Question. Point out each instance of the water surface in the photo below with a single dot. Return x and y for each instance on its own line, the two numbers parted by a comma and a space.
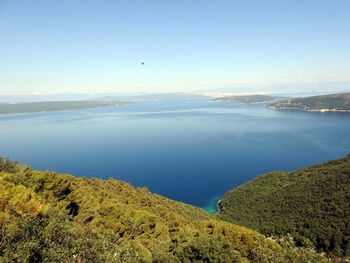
189, 150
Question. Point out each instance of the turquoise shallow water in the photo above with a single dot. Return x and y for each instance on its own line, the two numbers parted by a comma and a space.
213, 205
187, 149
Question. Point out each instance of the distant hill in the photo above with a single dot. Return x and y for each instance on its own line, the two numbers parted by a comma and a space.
311, 203
29, 107
334, 102
246, 98
51, 217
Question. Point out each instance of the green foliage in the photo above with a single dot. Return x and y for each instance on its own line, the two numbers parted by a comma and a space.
51, 217
52, 238
310, 204
7, 166
305, 253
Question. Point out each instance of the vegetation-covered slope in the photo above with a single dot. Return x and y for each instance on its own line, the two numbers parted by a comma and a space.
312, 203
50, 217
334, 102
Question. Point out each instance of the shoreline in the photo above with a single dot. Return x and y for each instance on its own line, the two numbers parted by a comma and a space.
63, 110
306, 110
213, 205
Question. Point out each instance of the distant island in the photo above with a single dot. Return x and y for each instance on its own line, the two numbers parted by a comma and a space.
311, 205
335, 102
30, 107
246, 98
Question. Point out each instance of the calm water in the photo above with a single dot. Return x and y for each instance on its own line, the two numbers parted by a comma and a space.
189, 150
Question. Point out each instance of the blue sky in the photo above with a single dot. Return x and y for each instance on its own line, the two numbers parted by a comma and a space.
98, 46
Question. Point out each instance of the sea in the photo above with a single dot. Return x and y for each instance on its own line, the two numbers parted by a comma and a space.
189, 149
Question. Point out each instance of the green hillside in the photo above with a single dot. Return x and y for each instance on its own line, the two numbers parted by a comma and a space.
50, 217
334, 102
311, 203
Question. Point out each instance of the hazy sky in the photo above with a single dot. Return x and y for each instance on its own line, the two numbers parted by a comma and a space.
98, 46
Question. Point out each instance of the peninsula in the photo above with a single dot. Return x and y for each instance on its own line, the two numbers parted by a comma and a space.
30, 107
335, 102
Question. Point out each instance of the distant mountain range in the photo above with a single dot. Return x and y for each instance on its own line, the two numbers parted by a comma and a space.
285, 89
246, 98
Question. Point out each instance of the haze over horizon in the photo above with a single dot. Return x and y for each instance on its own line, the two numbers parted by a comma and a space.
60, 47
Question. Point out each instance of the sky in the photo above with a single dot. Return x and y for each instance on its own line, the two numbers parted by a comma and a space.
92, 46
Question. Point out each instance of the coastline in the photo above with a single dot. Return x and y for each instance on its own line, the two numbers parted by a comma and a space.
213, 205
63, 110
307, 110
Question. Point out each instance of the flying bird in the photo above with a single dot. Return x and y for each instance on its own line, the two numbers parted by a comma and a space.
142, 63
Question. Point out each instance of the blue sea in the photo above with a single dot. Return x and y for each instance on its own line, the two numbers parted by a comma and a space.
188, 149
